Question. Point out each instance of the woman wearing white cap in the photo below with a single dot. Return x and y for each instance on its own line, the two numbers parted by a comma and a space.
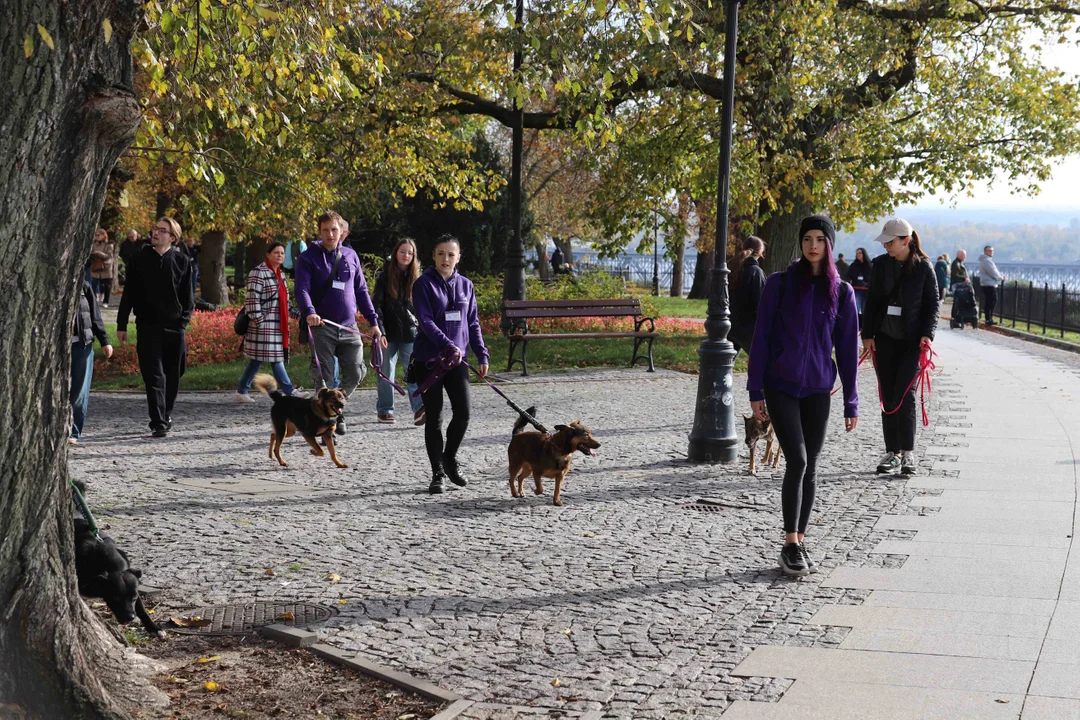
901, 318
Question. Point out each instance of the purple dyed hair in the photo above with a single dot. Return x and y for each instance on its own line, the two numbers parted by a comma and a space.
802, 266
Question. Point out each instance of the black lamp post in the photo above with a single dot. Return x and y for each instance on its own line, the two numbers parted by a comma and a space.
514, 280
713, 437
656, 254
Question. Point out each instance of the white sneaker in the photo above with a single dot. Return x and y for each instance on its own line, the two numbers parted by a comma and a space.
242, 398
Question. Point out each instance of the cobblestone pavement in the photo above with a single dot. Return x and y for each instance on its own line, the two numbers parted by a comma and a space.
622, 600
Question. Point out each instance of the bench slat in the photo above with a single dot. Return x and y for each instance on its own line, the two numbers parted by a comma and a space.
526, 304
584, 312
584, 336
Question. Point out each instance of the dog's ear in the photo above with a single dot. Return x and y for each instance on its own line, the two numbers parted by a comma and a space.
746, 417
323, 392
560, 428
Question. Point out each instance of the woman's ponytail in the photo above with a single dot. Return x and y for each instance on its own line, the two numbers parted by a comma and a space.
752, 244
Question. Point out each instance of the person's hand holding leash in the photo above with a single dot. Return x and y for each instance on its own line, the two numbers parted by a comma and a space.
483, 369
758, 408
850, 423
925, 342
868, 346
313, 320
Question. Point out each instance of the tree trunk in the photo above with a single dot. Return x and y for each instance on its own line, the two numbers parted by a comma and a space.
256, 253
212, 268
543, 267
781, 233
706, 241
239, 260
69, 113
567, 246
678, 244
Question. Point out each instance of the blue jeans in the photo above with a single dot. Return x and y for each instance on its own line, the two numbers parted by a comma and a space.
385, 403
195, 280
280, 374
82, 372
860, 300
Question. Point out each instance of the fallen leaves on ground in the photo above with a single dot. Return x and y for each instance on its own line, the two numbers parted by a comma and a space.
333, 578
212, 658
191, 621
286, 616
210, 686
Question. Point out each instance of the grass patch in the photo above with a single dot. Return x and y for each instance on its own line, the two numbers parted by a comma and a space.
1036, 329
677, 352
679, 307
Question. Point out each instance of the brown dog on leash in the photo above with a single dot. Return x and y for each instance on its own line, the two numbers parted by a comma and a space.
757, 430
311, 417
545, 455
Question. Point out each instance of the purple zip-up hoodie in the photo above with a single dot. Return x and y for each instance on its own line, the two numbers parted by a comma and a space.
433, 299
795, 337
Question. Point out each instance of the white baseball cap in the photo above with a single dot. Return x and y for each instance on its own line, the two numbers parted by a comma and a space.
895, 227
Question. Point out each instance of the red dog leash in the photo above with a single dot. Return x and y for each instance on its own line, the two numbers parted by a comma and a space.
922, 379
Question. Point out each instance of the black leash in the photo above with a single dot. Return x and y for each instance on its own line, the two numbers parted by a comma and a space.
532, 421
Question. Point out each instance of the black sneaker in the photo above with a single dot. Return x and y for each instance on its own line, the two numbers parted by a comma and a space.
340, 429
452, 471
437, 485
160, 431
810, 564
792, 561
889, 462
908, 464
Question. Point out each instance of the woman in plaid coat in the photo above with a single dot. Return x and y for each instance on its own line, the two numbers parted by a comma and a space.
267, 338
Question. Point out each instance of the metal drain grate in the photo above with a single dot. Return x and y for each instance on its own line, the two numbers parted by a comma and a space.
704, 505
245, 618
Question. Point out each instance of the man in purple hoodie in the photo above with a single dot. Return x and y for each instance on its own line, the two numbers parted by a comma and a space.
805, 313
330, 285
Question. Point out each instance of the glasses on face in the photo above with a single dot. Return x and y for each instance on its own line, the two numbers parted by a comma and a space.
164, 230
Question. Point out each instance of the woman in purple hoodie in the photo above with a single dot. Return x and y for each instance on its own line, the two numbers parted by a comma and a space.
445, 305
806, 313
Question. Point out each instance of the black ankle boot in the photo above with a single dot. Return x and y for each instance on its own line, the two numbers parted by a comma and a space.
437, 485
451, 467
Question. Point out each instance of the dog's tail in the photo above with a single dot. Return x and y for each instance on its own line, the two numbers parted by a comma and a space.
522, 421
267, 384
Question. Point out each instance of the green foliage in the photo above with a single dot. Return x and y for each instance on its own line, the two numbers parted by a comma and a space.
587, 286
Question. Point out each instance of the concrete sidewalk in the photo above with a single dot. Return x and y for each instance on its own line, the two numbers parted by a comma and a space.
983, 618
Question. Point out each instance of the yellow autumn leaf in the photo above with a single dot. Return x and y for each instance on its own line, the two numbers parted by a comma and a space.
106, 25
210, 685
286, 616
342, 601
45, 36
266, 13
28, 46
334, 578
212, 658
556, 682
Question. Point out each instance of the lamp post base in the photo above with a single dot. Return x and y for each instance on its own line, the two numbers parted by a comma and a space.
713, 438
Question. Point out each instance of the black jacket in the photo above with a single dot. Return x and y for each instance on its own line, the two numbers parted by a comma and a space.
397, 317
745, 301
858, 274
88, 324
918, 298
158, 289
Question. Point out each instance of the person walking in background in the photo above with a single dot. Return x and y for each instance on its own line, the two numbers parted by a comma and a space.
449, 325
293, 250
102, 258
806, 314
159, 291
745, 284
557, 261
267, 339
397, 319
192, 251
958, 272
859, 277
989, 280
330, 284
87, 327
901, 319
842, 267
129, 249
941, 270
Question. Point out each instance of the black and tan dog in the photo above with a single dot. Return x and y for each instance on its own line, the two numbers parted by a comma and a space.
544, 455
757, 430
311, 417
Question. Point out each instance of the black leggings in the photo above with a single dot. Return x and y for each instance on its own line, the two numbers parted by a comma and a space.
989, 301
456, 384
897, 362
800, 425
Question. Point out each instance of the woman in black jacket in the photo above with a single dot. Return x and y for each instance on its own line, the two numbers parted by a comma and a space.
88, 326
900, 320
859, 277
397, 320
745, 283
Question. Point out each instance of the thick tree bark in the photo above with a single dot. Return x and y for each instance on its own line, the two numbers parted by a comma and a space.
706, 241
68, 114
781, 232
543, 267
256, 253
215, 289
239, 263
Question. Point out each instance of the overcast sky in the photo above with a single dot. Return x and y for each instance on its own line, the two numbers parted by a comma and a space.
1061, 192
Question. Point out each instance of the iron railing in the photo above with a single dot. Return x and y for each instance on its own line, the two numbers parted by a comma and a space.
1052, 308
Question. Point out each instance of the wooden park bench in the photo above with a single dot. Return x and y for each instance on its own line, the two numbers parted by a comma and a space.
519, 312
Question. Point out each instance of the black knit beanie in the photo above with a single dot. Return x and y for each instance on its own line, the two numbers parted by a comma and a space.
822, 223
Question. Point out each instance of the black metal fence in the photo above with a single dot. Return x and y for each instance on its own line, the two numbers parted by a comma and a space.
1048, 308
